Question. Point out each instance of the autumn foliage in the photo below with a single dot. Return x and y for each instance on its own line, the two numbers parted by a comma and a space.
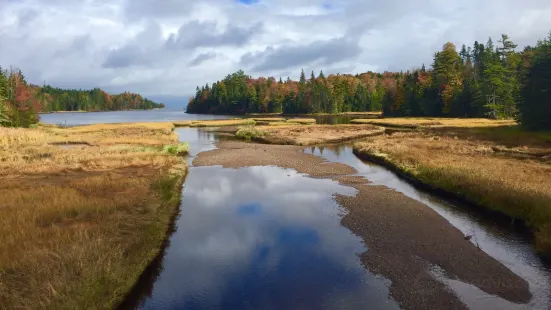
484, 80
20, 101
240, 93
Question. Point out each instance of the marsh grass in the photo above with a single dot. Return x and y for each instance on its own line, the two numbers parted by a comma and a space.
303, 121
39, 151
220, 123
269, 119
428, 122
183, 123
283, 123
477, 170
249, 132
317, 134
80, 224
177, 149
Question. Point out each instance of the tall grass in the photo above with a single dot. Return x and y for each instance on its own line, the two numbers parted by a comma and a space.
249, 132
317, 134
177, 149
476, 170
304, 121
432, 122
220, 123
80, 223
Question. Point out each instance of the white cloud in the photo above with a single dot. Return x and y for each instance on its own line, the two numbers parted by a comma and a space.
167, 47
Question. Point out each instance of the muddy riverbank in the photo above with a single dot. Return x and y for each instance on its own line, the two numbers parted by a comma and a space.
404, 238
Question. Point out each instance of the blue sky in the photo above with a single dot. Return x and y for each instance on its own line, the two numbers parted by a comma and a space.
248, 1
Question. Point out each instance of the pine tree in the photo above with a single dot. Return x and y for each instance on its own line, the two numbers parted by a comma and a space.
447, 76
535, 106
321, 76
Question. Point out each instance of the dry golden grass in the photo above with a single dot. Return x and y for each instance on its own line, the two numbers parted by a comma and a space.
102, 134
427, 122
301, 120
183, 123
88, 148
269, 119
220, 123
12, 138
317, 134
81, 222
514, 181
283, 123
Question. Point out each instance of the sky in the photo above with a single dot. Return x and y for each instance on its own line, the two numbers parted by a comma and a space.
163, 49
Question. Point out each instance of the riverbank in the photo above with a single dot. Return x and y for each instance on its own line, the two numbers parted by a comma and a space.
502, 169
403, 237
84, 211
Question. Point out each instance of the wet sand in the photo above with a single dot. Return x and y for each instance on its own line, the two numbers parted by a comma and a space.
403, 236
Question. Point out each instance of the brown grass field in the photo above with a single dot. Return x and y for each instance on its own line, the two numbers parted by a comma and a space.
504, 169
213, 123
226, 122
84, 211
316, 134
303, 121
269, 119
432, 122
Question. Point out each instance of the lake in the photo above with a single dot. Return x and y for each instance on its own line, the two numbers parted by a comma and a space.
86, 118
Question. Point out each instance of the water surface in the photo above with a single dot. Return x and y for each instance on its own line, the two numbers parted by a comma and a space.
87, 118
162, 115
262, 238
513, 248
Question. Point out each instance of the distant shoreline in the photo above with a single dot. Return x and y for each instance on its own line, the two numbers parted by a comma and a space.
375, 114
81, 111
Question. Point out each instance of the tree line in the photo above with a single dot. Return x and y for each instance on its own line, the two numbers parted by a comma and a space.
240, 93
20, 101
484, 80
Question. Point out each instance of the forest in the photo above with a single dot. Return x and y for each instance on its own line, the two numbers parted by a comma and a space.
20, 101
485, 80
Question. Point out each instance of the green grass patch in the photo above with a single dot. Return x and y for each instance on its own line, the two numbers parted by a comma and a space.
249, 132
221, 123
176, 149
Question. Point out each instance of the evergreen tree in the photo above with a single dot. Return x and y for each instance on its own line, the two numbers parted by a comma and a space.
447, 76
535, 106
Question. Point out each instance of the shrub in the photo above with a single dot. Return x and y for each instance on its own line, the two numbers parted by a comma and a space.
249, 132
177, 149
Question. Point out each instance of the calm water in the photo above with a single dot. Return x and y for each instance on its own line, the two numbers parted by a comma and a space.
262, 238
164, 115
501, 241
